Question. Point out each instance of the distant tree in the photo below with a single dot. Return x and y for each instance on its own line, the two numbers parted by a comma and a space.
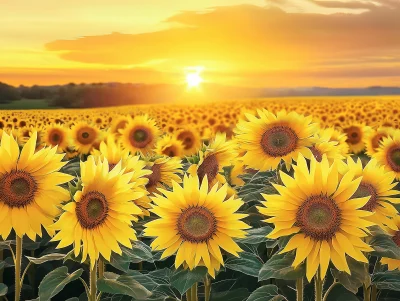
8, 93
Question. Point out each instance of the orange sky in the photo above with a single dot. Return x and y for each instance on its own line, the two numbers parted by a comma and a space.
249, 43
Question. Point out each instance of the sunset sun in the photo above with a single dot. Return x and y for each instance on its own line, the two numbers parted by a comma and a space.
193, 77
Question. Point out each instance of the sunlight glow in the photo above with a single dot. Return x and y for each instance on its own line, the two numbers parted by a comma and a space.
193, 77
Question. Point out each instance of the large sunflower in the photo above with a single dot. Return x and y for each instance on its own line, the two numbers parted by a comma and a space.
271, 138
195, 223
218, 154
388, 153
393, 264
315, 207
84, 136
373, 138
377, 184
140, 135
100, 216
29, 193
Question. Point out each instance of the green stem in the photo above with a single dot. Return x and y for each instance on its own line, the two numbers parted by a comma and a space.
367, 293
318, 286
102, 267
1, 270
207, 288
194, 292
189, 294
299, 289
18, 258
93, 283
374, 293
329, 290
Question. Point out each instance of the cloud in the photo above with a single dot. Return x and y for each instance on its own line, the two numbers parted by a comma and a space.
249, 39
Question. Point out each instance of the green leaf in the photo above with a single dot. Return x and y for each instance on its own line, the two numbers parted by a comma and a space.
389, 280
183, 279
359, 275
45, 258
384, 246
266, 293
123, 285
139, 252
231, 295
55, 281
247, 263
3, 289
279, 266
256, 236
340, 293
6, 244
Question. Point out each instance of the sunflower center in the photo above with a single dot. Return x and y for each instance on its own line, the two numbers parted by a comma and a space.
353, 135
111, 166
316, 153
196, 224
279, 141
140, 137
17, 189
319, 217
393, 158
86, 135
170, 151
396, 238
187, 139
155, 177
92, 210
209, 167
365, 190
376, 140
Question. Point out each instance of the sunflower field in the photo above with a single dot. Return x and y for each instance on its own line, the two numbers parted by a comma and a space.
268, 199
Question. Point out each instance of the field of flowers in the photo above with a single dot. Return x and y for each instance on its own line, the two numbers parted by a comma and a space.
271, 199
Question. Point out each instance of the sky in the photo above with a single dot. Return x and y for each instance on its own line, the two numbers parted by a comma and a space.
246, 43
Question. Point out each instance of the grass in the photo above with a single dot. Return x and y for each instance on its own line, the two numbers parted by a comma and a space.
27, 104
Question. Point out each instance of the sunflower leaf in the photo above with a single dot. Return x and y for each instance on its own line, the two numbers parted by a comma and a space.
183, 279
256, 236
239, 294
123, 285
55, 281
384, 246
247, 263
279, 266
389, 280
359, 275
266, 293
138, 253
45, 258
3, 289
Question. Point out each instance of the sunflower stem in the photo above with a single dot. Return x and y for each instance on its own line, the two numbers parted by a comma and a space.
194, 292
207, 288
18, 258
299, 289
318, 286
335, 282
1, 270
102, 267
367, 293
374, 293
93, 283
189, 294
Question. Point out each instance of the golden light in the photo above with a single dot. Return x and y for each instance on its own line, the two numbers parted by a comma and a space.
193, 77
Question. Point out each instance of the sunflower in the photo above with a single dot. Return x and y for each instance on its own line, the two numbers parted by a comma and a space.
140, 135
355, 137
195, 223
169, 146
238, 169
84, 136
373, 138
119, 124
333, 135
30, 194
190, 139
100, 216
322, 147
393, 264
388, 153
377, 184
218, 154
316, 209
56, 135
271, 138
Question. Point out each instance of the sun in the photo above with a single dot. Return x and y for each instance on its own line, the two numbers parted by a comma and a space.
193, 77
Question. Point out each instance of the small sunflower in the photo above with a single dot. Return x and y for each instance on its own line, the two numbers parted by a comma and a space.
355, 137
169, 146
119, 124
196, 223
315, 207
373, 138
271, 138
377, 184
84, 136
339, 138
322, 147
388, 153
140, 135
56, 135
393, 264
30, 194
218, 154
100, 216
190, 139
